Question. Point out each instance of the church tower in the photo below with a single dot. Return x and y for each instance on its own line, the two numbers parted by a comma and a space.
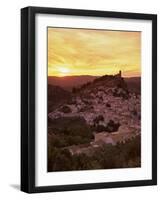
120, 73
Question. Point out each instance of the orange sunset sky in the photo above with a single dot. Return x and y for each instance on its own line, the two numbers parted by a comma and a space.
93, 52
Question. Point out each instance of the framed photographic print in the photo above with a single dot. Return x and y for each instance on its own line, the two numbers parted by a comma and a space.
88, 99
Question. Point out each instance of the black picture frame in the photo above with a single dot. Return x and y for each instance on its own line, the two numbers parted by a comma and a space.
28, 98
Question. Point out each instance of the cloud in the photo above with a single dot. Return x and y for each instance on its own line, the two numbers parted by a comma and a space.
93, 52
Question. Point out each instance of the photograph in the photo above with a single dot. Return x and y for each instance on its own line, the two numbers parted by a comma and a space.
89, 99
93, 99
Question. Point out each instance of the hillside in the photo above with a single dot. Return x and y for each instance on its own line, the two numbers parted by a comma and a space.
68, 82
101, 112
56, 96
134, 84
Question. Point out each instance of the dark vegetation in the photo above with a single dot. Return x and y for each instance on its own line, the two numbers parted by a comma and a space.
111, 126
66, 131
57, 96
65, 109
123, 155
121, 93
107, 80
108, 105
78, 89
86, 108
98, 119
134, 84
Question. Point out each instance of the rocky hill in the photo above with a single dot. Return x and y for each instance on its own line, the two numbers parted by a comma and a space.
107, 106
96, 126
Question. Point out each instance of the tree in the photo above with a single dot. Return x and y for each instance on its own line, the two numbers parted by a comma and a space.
65, 109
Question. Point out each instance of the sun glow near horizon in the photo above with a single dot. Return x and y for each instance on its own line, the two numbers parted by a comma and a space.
74, 52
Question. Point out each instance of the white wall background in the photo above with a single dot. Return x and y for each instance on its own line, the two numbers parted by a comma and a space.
10, 99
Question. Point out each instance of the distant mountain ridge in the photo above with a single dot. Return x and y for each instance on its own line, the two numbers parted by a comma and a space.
68, 82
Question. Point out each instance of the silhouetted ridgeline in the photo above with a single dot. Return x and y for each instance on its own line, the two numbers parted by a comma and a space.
68, 82
106, 81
